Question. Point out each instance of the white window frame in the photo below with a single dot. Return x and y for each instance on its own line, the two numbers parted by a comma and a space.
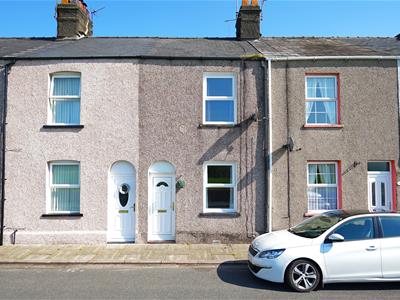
326, 99
50, 185
219, 185
219, 98
50, 118
323, 185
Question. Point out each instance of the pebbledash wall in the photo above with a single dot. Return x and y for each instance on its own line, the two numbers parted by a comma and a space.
171, 109
142, 112
109, 113
369, 116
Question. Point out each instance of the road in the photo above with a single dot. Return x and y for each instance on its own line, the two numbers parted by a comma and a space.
175, 282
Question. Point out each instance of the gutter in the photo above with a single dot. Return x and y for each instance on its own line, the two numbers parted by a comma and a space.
231, 58
3, 145
277, 58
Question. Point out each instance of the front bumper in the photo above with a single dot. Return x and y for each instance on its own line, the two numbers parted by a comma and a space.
267, 269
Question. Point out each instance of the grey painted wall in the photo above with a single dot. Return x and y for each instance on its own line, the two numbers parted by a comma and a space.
369, 115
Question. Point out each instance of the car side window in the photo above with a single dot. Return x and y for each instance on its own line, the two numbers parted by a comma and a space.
390, 226
357, 229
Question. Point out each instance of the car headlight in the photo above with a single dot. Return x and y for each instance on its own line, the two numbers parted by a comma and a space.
271, 254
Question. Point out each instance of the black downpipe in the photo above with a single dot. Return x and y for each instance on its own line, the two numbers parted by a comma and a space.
3, 146
265, 118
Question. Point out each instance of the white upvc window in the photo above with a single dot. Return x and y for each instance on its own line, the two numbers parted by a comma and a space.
322, 186
219, 98
322, 100
64, 187
65, 99
219, 191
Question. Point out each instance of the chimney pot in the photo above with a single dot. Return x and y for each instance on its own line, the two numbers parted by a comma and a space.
73, 19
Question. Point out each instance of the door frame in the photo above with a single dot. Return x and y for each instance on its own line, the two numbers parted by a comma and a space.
110, 202
162, 172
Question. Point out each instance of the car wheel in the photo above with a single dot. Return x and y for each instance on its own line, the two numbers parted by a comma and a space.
303, 276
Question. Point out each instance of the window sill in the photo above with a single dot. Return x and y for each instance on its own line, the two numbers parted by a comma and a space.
335, 126
55, 215
219, 215
55, 126
217, 126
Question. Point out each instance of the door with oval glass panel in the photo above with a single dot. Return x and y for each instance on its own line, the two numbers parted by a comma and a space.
121, 203
379, 186
162, 209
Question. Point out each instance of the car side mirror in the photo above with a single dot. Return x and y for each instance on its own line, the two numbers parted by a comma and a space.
335, 237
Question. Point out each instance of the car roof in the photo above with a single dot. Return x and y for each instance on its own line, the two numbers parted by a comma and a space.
353, 212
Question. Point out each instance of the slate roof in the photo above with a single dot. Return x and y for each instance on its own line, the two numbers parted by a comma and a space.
335, 46
211, 48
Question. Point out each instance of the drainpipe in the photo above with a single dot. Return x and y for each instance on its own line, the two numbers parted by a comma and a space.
3, 150
269, 114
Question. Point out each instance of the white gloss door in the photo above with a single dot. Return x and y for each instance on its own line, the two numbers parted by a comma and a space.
162, 209
121, 209
379, 191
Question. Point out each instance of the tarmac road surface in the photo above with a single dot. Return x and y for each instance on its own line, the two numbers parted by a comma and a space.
166, 282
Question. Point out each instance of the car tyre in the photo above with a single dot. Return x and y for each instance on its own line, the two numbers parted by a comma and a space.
303, 276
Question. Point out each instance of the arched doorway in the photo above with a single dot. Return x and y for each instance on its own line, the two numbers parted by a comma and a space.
161, 212
121, 219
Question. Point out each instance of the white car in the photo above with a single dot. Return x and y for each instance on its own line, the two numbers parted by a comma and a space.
335, 246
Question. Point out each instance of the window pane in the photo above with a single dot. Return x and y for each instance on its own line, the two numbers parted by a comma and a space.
321, 87
321, 112
219, 87
65, 199
219, 174
220, 111
383, 194
373, 194
322, 173
358, 229
219, 197
66, 86
65, 174
390, 226
378, 166
322, 198
66, 112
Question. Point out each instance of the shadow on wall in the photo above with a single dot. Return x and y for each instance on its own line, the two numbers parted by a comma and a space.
225, 141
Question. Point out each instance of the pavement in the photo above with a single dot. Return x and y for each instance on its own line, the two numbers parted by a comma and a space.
139, 254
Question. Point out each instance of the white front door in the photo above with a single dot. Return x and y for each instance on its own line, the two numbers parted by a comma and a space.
379, 191
162, 209
121, 208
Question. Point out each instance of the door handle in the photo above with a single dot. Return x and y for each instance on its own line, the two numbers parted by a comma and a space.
371, 248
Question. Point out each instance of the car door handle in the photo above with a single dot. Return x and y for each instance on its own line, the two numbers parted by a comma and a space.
371, 248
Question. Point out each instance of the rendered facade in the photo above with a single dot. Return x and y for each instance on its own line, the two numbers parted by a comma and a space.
192, 140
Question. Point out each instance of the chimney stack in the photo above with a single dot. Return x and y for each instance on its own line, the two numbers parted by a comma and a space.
248, 21
73, 19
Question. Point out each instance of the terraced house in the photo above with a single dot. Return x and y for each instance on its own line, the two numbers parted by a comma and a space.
191, 140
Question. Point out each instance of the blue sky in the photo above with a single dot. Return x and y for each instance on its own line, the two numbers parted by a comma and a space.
209, 18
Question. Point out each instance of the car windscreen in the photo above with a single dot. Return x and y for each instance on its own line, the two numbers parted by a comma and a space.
317, 225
